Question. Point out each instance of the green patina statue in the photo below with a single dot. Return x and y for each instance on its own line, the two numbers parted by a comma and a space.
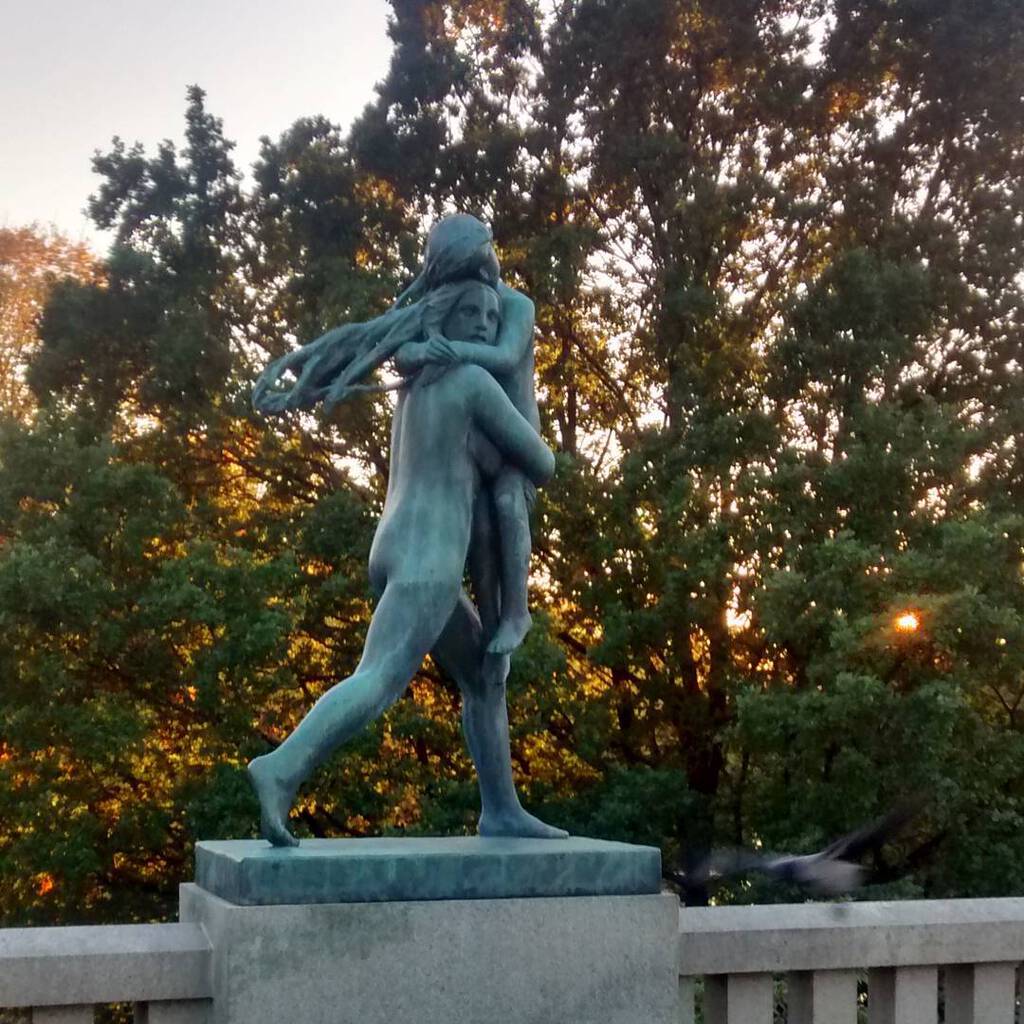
465, 458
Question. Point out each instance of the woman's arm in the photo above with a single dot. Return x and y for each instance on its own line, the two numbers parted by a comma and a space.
505, 427
514, 341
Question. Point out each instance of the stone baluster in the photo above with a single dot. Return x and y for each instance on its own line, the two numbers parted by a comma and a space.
173, 1011
903, 995
739, 999
980, 993
822, 997
80, 1014
687, 992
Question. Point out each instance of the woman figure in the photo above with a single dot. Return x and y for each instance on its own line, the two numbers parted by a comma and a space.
443, 433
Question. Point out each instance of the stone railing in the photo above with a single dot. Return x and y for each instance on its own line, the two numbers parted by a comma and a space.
913, 962
61, 974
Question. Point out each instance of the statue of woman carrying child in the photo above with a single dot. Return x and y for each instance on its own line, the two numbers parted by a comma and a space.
466, 456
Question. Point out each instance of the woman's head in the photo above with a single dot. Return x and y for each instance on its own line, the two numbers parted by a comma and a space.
462, 311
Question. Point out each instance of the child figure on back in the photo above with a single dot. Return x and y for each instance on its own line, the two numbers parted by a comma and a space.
459, 248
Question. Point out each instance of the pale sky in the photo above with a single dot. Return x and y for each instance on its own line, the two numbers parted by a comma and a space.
74, 73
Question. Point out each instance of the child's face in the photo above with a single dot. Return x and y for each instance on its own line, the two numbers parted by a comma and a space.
490, 271
474, 317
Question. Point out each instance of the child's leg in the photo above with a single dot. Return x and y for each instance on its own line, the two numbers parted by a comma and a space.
514, 542
485, 561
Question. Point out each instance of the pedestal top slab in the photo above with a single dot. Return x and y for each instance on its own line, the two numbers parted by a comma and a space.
251, 872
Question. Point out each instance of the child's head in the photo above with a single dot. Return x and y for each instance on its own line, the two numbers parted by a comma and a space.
460, 247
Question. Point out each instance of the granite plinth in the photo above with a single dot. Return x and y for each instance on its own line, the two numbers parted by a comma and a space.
251, 872
581, 960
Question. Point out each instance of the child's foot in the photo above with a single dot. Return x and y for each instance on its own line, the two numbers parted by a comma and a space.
510, 634
275, 802
519, 824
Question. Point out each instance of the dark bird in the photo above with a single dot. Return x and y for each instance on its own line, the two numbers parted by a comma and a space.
829, 872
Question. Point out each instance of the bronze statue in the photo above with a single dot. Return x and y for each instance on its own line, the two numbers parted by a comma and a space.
465, 456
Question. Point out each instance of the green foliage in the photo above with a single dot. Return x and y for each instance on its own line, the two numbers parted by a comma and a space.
775, 252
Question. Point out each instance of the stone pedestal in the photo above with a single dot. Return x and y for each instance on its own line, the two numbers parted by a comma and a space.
483, 948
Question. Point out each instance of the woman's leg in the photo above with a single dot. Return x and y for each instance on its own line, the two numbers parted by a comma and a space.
405, 626
481, 678
513, 516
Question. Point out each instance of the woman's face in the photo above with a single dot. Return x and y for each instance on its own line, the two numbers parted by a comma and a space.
474, 317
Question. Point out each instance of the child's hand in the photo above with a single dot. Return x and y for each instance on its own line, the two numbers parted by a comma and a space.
412, 356
439, 350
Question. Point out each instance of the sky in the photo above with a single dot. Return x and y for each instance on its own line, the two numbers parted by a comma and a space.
74, 73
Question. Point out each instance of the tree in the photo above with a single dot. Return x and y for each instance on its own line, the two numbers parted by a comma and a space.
780, 199
773, 248
31, 261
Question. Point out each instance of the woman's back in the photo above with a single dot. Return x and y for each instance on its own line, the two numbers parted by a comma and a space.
425, 527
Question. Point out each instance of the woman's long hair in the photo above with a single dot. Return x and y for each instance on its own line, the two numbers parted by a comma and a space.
332, 368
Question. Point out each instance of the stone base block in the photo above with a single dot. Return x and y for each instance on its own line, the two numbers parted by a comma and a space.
578, 960
252, 872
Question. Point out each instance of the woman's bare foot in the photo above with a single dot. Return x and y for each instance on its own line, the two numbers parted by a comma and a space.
510, 633
519, 824
275, 802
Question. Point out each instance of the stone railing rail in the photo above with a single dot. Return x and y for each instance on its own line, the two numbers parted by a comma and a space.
815, 958
61, 974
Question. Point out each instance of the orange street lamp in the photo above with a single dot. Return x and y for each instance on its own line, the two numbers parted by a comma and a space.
907, 622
